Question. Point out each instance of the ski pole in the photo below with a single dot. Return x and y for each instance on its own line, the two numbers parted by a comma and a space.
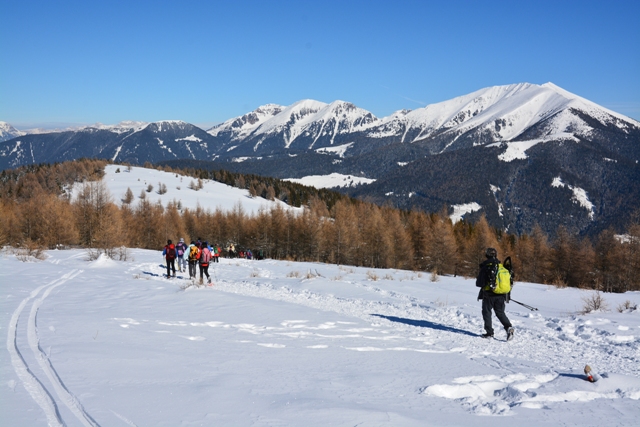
525, 305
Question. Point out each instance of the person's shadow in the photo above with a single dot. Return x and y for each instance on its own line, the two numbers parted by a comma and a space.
426, 324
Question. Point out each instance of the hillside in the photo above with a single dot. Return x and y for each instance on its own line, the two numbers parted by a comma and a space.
213, 195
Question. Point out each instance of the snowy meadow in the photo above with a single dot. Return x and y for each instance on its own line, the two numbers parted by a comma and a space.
277, 343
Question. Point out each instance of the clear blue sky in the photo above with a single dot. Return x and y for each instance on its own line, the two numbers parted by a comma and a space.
207, 61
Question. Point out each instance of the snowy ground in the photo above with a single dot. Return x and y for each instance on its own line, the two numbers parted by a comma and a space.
276, 343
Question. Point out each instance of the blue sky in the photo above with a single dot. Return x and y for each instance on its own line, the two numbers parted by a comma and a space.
75, 62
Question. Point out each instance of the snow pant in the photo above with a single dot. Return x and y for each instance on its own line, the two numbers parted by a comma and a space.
182, 264
216, 259
171, 264
496, 303
204, 269
192, 269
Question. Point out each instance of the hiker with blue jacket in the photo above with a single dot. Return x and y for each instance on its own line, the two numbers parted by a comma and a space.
491, 300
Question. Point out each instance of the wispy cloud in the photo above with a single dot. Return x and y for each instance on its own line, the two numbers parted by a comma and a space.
399, 95
631, 109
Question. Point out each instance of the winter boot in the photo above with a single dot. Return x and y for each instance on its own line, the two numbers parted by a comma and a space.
510, 332
200, 281
487, 335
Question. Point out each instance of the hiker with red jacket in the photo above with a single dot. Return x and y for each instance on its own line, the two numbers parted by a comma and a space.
204, 258
169, 253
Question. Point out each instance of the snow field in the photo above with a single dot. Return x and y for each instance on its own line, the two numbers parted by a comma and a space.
284, 343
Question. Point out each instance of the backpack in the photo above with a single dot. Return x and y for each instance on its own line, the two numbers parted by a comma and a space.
205, 256
181, 248
193, 253
171, 252
498, 279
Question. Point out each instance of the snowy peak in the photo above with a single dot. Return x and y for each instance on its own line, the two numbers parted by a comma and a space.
8, 132
240, 127
501, 113
122, 127
495, 114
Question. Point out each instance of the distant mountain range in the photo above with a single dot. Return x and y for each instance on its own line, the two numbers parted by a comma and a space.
520, 154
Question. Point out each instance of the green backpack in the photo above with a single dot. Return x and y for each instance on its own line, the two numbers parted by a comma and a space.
503, 281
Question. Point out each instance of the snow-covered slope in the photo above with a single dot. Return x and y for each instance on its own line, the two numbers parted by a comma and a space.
108, 343
307, 124
241, 127
122, 127
8, 132
213, 195
504, 112
334, 180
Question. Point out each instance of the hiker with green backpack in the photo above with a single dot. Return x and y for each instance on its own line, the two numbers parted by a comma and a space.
494, 281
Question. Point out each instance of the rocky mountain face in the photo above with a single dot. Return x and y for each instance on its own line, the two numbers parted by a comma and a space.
520, 154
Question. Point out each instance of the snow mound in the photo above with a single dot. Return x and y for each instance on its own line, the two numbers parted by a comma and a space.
493, 395
103, 261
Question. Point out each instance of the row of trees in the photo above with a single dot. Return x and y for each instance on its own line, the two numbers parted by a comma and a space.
347, 232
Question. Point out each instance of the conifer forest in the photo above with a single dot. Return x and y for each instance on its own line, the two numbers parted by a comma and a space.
37, 212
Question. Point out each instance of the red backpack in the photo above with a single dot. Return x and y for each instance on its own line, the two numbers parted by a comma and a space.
171, 252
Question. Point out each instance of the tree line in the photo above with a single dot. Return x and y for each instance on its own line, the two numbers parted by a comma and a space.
36, 208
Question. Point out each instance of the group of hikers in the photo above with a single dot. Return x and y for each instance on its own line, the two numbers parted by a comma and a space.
233, 252
197, 253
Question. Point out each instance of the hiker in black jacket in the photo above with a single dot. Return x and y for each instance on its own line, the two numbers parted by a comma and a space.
491, 300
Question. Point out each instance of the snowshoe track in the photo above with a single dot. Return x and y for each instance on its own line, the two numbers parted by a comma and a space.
34, 385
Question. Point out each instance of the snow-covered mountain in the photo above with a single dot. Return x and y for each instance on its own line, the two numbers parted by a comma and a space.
516, 138
305, 125
238, 128
501, 113
133, 142
8, 132
508, 113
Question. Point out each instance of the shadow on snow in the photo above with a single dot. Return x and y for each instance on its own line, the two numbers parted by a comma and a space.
426, 324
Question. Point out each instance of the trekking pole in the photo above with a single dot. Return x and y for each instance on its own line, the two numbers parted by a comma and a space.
525, 305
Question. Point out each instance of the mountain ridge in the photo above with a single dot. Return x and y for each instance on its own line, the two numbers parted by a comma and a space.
528, 131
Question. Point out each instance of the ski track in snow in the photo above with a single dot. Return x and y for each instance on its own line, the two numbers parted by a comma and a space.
30, 380
45, 363
31, 383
